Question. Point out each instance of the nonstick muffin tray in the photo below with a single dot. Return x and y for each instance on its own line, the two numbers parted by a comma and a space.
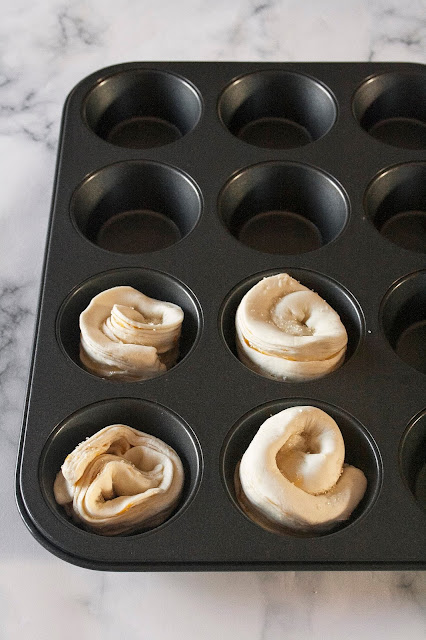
191, 182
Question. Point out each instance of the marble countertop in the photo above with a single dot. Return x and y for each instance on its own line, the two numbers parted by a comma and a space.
46, 48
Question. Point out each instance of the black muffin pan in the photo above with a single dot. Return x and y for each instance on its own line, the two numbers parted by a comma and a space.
191, 182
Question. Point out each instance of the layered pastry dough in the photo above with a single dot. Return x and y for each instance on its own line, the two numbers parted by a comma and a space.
293, 473
286, 331
120, 480
128, 335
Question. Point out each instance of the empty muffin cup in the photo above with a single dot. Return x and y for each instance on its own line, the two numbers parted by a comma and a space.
136, 207
403, 317
283, 207
360, 451
395, 202
332, 292
142, 108
143, 415
277, 109
392, 108
154, 284
412, 458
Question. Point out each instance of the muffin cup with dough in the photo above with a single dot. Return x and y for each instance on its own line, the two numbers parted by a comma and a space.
286, 331
120, 480
293, 473
127, 335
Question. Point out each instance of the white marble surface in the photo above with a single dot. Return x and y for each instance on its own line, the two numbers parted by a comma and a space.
45, 48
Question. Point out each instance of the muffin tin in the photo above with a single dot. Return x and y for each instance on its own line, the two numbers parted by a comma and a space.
190, 182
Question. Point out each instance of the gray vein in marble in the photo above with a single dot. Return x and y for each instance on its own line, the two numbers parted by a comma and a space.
28, 114
30, 105
282, 593
261, 7
253, 24
16, 322
94, 603
398, 26
74, 29
412, 587
4, 81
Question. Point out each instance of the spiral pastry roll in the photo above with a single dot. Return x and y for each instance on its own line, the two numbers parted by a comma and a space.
119, 481
128, 335
293, 473
286, 331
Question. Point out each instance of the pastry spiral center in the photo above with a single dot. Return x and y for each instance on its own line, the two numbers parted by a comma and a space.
291, 314
300, 460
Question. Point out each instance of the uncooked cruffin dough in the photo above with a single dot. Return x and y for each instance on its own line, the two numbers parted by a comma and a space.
286, 331
293, 473
120, 480
127, 335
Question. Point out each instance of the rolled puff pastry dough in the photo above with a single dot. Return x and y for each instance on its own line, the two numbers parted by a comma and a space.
120, 480
126, 334
284, 330
293, 473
